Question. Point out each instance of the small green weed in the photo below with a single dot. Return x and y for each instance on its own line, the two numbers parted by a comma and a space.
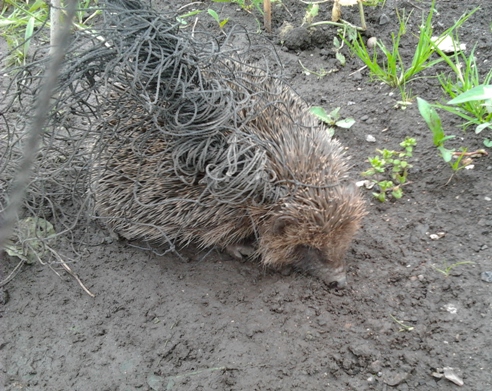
404, 327
182, 18
311, 12
346, 32
87, 10
332, 119
429, 113
220, 22
446, 270
480, 100
433, 121
392, 163
246, 5
393, 69
320, 73
374, 3
475, 107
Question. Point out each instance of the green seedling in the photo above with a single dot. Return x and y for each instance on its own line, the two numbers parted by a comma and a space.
332, 119
433, 121
320, 73
482, 96
311, 12
404, 327
246, 5
215, 16
446, 270
346, 32
336, 13
387, 64
374, 3
182, 18
470, 98
338, 54
429, 113
87, 10
393, 164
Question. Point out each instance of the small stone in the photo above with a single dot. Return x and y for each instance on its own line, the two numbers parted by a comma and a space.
486, 276
370, 138
383, 19
364, 118
375, 367
487, 198
485, 223
395, 378
321, 322
371, 42
155, 382
451, 376
451, 308
4, 299
366, 183
437, 236
421, 277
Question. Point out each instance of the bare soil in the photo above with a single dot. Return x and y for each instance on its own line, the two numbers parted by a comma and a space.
207, 322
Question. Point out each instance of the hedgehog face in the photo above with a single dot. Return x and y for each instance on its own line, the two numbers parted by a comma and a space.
314, 237
322, 263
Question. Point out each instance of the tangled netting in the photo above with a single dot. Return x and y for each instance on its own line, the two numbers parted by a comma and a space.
138, 69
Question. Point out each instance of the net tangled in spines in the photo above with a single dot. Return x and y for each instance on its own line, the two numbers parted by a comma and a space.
135, 69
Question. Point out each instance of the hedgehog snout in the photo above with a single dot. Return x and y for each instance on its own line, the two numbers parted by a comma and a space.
326, 266
333, 278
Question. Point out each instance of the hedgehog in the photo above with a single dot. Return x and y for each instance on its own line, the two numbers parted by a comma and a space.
266, 180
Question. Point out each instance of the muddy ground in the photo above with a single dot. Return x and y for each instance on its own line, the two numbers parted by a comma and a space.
207, 322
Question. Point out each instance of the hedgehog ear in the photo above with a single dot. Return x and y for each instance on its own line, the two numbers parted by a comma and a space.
281, 223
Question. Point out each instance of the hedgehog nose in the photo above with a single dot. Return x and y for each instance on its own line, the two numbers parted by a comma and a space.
340, 283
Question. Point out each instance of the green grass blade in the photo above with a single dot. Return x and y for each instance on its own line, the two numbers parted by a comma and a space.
433, 121
481, 92
28, 36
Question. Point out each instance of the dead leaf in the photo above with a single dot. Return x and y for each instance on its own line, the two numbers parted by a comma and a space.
448, 45
336, 12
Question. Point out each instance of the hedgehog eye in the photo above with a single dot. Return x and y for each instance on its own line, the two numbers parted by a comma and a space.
282, 223
305, 255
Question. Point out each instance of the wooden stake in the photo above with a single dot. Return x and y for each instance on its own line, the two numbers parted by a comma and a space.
267, 17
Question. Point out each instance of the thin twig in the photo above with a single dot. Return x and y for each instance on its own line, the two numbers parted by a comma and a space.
71, 272
13, 273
